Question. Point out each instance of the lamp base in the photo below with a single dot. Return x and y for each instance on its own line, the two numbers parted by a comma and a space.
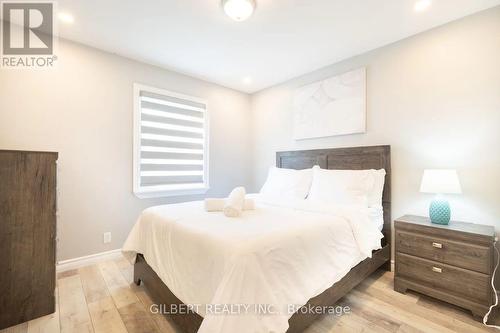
439, 211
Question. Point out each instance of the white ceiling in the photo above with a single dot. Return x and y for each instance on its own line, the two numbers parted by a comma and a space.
284, 38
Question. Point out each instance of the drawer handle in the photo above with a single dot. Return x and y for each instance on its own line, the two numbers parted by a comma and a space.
437, 269
437, 245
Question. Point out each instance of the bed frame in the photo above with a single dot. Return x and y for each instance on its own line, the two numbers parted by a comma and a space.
357, 158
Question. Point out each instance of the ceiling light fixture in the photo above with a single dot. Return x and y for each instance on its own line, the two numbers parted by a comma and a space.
66, 18
247, 80
238, 10
422, 5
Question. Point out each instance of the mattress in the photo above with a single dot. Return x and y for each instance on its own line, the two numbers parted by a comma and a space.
273, 258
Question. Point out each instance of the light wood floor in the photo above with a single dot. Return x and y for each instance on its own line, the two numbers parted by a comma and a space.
102, 298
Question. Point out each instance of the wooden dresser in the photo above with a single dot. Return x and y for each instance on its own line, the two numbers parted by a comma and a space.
451, 262
27, 235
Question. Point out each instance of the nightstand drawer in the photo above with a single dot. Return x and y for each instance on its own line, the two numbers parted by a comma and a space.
444, 277
456, 253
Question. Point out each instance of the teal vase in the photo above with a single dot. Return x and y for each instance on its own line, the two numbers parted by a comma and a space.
439, 211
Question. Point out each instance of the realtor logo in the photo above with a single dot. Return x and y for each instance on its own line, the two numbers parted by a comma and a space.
27, 34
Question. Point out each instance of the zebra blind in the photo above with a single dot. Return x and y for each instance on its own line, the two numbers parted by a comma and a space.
171, 143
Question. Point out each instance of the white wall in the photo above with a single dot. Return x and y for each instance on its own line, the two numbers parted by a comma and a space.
435, 98
83, 110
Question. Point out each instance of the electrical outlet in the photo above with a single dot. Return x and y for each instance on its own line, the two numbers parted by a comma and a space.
106, 237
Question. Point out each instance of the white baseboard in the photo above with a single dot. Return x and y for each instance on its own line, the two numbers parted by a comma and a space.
66, 265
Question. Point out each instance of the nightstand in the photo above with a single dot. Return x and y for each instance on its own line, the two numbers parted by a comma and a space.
453, 263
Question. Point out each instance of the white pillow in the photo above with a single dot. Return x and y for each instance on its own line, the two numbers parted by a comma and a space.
340, 187
348, 186
375, 195
287, 183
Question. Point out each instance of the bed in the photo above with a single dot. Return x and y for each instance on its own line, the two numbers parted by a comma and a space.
357, 158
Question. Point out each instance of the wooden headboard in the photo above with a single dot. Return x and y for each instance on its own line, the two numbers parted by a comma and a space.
355, 158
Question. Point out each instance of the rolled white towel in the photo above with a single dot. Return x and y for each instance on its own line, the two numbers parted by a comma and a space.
214, 205
249, 204
234, 202
217, 204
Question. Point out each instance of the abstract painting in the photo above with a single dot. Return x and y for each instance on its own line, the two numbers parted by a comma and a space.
335, 106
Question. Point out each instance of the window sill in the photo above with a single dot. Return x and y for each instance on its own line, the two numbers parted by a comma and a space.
170, 193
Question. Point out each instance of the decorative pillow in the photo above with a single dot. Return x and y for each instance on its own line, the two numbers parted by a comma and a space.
347, 186
375, 195
287, 183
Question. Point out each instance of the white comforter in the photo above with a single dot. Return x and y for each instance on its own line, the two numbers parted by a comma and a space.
278, 254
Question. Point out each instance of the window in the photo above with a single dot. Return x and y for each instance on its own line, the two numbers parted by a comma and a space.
170, 143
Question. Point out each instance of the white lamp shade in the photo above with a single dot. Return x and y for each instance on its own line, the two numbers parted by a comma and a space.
440, 181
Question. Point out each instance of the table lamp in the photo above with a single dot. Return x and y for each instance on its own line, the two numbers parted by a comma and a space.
440, 182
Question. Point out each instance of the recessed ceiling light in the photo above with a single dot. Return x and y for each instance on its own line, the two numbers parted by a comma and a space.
247, 80
238, 10
66, 18
422, 5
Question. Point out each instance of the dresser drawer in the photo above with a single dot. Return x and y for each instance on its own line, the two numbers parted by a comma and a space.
456, 253
444, 277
